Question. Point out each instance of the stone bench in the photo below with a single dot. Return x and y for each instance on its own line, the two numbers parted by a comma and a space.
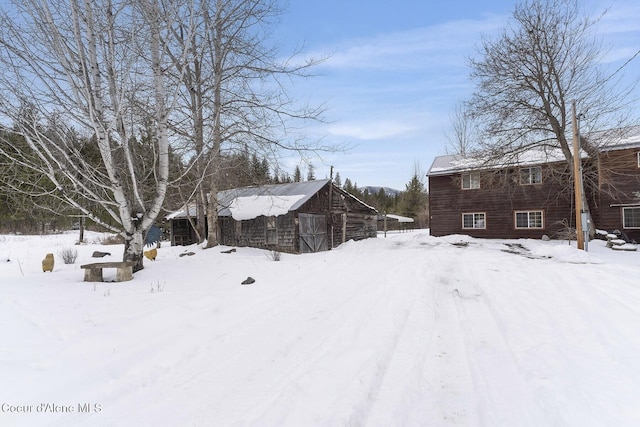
93, 272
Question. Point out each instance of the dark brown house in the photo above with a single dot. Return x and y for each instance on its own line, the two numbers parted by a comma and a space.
525, 199
300, 217
617, 205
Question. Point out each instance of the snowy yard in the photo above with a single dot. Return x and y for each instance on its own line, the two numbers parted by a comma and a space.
410, 330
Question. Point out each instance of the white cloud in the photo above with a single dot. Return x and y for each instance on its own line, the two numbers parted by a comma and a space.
621, 17
372, 130
415, 48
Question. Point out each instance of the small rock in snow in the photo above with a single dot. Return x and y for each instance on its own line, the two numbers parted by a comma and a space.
249, 280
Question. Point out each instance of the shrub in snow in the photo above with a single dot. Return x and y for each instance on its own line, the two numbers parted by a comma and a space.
68, 255
274, 255
112, 240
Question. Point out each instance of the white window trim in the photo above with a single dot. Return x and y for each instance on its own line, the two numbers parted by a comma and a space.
530, 169
624, 225
638, 154
515, 220
473, 178
484, 222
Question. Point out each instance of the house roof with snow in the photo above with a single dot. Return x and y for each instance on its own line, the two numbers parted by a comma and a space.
632, 141
444, 165
607, 141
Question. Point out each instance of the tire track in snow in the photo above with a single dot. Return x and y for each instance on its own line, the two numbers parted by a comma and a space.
370, 364
499, 383
398, 363
424, 363
304, 346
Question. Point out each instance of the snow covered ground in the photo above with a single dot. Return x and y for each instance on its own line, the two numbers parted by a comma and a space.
408, 330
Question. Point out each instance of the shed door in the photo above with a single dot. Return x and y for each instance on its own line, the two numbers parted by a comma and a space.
313, 233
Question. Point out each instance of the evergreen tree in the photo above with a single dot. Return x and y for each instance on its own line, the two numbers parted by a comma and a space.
414, 200
310, 172
337, 180
348, 187
264, 170
297, 175
381, 200
255, 168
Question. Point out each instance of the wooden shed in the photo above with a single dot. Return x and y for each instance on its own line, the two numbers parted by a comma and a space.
299, 217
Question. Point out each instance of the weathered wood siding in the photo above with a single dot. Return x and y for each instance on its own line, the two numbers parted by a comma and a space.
182, 233
499, 202
350, 219
619, 184
253, 233
361, 220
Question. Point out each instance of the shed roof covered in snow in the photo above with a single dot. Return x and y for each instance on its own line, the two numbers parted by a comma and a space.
398, 218
268, 200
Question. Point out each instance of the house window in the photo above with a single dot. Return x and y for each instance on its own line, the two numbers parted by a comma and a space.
631, 217
638, 159
530, 176
470, 181
532, 219
473, 220
272, 231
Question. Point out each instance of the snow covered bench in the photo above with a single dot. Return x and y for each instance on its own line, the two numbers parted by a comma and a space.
93, 272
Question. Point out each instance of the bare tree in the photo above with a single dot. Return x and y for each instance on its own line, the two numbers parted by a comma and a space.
459, 136
234, 91
97, 69
528, 77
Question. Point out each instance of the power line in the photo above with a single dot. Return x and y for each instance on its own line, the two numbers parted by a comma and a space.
623, 65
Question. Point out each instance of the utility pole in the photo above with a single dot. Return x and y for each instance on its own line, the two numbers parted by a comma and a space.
577, 177
331, 204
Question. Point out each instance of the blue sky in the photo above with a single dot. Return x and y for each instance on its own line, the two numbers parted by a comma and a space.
397, 70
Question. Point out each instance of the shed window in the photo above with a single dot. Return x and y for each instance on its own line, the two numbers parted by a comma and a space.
470, 181
532, 219
638, 159
530, 176
631, 217
473, 220
272, 231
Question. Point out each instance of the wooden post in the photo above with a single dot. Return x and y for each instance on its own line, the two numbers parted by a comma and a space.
81, 223
344, 227
577, 177
385, 224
